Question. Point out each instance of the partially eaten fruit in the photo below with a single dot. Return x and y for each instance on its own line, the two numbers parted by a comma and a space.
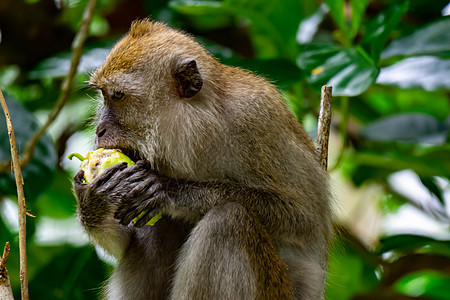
98, 161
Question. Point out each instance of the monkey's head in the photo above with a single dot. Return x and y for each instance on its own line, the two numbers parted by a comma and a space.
151, 82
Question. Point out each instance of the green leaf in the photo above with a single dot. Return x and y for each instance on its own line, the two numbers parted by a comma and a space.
349, 70
432, 39
407, 127
425, 72
378, 29
358, 8
38, 174
337, 12
348, 24
310, 25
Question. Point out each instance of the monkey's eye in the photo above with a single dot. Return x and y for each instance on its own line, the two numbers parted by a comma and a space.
117, 96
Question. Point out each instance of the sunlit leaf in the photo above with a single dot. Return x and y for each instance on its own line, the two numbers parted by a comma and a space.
309, 26
349, 70
426, 72
432, 39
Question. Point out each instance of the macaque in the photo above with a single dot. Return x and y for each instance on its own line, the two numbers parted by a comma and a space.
245, 202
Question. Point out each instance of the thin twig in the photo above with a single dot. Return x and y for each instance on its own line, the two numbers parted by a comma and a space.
323, 130
4, 258
77, 51
5, 284
21, 201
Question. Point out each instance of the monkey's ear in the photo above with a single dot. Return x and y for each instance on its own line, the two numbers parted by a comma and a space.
188, 78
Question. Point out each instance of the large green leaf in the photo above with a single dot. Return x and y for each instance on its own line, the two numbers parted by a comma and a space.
425, 72
349, 70
432, 39
39, 172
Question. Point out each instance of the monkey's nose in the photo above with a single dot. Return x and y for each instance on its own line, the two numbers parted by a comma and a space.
101, 130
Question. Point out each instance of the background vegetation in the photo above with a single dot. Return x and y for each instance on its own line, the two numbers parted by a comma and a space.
388, 62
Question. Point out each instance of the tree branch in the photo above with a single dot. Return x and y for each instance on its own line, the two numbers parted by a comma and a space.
66, 87
21, 201
5, 284
323, 130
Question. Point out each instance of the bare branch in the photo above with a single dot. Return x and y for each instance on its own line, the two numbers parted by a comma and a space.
323, 131
5, 284
21, 201
66, 87
4, 258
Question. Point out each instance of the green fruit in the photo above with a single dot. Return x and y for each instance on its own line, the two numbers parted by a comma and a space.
152, 220
98, 161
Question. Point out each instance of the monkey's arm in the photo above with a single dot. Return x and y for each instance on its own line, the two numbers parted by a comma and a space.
191, 200
98, 201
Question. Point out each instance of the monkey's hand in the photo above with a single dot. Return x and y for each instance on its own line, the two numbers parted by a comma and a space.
98, 200
153, 194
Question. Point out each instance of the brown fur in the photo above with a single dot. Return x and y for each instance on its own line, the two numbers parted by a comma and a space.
246, 181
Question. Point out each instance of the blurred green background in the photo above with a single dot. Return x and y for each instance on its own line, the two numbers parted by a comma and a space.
388, 63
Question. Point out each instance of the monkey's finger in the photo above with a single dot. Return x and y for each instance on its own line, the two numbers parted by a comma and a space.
144, 164
146, 218
125, 209
124, 181
79, 177
131, 174
132, 212
151, 206
79, 186
140, 193
144, 190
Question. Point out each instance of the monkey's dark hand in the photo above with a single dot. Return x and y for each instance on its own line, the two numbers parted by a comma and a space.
104, 194
152, 195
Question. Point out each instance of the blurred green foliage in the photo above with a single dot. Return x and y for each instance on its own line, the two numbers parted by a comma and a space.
388, 63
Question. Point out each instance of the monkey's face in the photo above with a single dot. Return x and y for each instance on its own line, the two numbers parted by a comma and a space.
148, 75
